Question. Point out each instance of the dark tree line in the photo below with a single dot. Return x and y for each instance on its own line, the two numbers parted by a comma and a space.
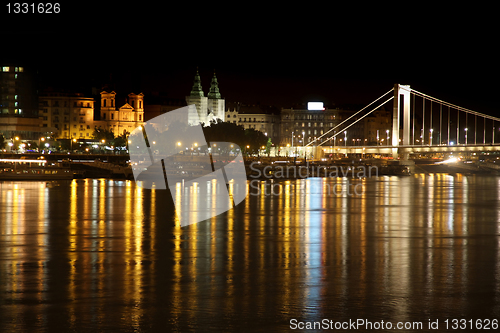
110, 138
249, 140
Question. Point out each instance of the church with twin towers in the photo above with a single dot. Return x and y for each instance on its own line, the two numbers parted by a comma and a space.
210, 107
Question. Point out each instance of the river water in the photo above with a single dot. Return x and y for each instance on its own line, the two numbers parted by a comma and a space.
107, 255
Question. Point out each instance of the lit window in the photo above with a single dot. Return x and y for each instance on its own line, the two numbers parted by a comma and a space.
5, 69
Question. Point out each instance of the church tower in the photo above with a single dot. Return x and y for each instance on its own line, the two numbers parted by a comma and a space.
197, 97
136, 101
108, 107
216, 104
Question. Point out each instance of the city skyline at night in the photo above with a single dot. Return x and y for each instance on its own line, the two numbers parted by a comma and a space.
126, 205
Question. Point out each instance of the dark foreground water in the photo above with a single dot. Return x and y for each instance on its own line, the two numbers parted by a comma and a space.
104, 255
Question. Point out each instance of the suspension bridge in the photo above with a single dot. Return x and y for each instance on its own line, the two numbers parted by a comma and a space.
420, 124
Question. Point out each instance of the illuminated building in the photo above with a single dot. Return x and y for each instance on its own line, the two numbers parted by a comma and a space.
376, 126
209, 108
312, 124
300, 124
124, 119
18, 103
261, 118
68, 116
71, 116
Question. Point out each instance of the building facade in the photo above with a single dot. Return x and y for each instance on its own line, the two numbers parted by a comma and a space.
18, 103
123, 119
210, 107
300, 127
378, 125
67, 116
260, 118
18, 92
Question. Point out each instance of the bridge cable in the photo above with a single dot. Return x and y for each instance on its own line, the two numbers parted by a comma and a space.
418, 93
348, 119
320, 144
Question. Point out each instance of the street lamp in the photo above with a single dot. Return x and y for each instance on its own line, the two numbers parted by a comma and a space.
466, 136
430, 137
345, 143
387, 131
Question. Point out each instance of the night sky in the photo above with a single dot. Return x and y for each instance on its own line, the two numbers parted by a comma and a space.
284, 56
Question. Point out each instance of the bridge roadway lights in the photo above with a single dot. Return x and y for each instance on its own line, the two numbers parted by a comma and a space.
405, 151
379, 150
449, 149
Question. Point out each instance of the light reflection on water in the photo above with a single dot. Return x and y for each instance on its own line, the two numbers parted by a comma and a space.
109, 255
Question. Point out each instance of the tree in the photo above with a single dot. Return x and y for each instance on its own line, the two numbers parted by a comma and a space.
230, 132
268, 146
225, 132
121, 140
103, 134
32, 145
255, 139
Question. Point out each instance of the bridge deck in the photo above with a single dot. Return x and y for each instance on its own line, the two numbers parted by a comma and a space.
412, 149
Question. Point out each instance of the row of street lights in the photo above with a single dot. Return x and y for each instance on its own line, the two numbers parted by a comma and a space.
451, 143
380, 141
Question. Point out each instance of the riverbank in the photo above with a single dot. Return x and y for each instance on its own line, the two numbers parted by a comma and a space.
118, 167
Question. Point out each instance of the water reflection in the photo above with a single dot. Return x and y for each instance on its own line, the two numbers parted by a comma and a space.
109, 255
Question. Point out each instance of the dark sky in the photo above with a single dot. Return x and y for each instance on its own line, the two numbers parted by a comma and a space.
282, 57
